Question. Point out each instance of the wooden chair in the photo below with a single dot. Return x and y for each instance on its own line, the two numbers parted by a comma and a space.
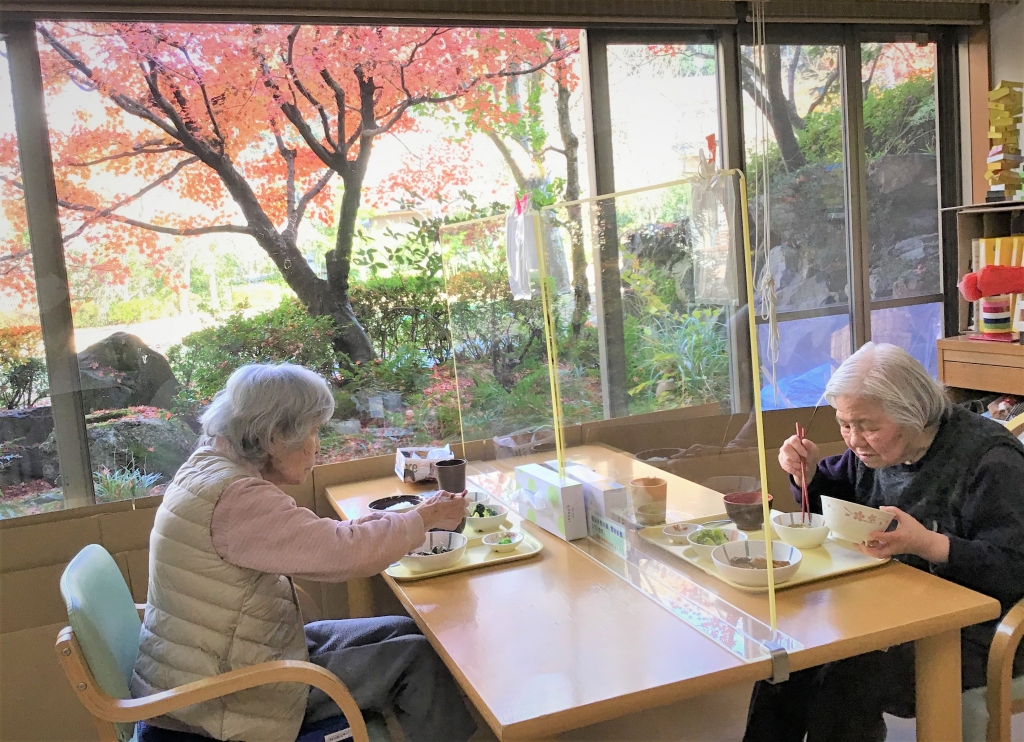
1015, 425
99, 648
1004, 694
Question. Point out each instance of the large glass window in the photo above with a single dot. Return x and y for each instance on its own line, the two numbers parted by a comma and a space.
793, 129
900, 137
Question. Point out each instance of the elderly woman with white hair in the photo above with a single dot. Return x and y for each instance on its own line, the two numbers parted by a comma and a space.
953, 480
225, 545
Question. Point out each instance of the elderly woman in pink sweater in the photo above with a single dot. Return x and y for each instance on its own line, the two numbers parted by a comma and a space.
225, 545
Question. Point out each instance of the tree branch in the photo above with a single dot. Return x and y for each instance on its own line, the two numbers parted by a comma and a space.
141, 149
174, 231
506, 155
181, 165
300, 209
289, 63
829, 82
206, 97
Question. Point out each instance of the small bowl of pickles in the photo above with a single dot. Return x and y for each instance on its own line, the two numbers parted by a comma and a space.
706, 540
503, 542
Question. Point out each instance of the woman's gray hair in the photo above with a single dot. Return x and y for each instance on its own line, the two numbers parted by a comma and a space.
264, 404
893, 378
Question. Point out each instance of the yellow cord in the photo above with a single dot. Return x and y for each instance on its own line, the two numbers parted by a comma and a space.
755, 363
451, 339
551, 339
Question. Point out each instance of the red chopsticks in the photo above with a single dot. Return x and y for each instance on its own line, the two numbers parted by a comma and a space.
805, 505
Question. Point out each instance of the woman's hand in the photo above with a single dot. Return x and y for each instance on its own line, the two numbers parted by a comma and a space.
444, 510
909, 537
791, 452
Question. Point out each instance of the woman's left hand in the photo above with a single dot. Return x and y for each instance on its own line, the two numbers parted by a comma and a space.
909, 537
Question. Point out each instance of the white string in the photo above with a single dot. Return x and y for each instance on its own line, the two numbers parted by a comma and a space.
762, 196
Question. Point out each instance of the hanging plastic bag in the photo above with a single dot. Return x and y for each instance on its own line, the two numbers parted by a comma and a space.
524, 231
521, 248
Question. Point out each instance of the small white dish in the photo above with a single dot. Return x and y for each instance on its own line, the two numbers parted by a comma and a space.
494, 540
722, 555
474, 496
677, 532
421, 560
704, 550
852, 522
801, 531
486, 522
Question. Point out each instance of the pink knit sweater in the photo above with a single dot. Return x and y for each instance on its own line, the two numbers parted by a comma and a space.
257, 526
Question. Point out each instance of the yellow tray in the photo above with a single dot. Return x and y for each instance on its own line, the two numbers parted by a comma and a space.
477, 555
831, 559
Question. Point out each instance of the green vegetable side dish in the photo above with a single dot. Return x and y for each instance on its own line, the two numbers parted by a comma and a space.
709, 537
482, 511
505, 541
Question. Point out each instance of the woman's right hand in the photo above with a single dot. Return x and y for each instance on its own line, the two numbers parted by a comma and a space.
791, 453
444, 510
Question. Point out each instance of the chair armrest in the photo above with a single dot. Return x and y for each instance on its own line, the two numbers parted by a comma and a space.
129, 710
1000, 673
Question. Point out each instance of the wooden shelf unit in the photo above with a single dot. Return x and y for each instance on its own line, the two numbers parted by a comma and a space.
981, 364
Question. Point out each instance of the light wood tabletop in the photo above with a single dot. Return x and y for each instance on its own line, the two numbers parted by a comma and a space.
559, 642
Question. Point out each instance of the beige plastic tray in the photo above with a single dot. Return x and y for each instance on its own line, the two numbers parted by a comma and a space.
477, 555
831, 559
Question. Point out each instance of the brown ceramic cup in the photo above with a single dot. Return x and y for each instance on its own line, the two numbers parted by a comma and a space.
451, 475
745, 510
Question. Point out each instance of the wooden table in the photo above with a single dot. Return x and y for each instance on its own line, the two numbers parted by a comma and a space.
558, 642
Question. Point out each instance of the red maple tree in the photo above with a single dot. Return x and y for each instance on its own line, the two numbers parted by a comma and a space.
248, 125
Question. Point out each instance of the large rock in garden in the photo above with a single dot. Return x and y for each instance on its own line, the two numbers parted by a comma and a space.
146, 440
122, 371
26, 426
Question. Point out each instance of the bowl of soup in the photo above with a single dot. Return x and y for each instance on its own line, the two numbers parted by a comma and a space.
804, 531
744, 562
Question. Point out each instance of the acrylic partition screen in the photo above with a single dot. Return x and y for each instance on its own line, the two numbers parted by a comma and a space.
648, 326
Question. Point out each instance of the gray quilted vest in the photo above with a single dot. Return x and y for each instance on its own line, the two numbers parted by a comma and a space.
206, 617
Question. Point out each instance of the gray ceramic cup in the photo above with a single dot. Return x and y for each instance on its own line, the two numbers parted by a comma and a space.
451, 475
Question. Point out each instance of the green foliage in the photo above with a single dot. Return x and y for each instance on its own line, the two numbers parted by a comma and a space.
87, 314
403, 310
204, 360
259, 296
405, 370
897, 120
680, 360
143, 309
123, 484
23, 378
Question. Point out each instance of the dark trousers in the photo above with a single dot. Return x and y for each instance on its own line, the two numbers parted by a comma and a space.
387, 663
843, 701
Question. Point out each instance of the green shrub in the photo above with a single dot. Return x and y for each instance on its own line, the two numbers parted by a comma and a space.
404, 310
204, 360
689, 353
123, 484
23, 379
87, 314
259, 296
143, 309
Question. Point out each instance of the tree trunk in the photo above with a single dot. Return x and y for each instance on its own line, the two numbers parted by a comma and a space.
352, 338
782, 125
571, 145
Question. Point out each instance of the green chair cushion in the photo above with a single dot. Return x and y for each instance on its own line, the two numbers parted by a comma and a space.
102, 614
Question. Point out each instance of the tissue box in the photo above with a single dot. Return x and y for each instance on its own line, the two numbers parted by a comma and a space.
553, 502
417, 464
601, 495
